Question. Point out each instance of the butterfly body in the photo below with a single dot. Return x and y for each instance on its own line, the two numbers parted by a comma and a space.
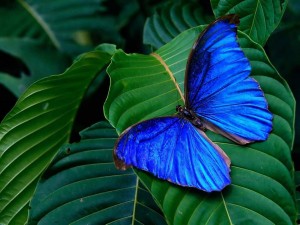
219, 96
191, 116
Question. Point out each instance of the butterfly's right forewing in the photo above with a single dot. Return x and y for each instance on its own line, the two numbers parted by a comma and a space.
218, 87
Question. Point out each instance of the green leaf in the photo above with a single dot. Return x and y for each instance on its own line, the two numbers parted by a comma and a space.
283, 49
82, 186
262, 189
33, 131
171, 19
50, 61
297, 182
63, 24
258, 18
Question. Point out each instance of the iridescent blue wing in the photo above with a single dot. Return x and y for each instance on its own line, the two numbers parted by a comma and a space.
218, 87
172, 149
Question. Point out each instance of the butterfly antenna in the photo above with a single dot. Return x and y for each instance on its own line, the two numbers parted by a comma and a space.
178, 97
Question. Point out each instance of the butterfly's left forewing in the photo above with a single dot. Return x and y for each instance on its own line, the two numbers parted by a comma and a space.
171, 148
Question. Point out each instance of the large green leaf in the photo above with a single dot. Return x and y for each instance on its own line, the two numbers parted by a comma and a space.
258, 18
63, 24
33, 131
262, 189
50, 61
82, 186
283, 49
171, 19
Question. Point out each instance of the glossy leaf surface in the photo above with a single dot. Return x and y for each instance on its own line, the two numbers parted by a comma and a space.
258, 18
144, 87
82, 186
171, 19
34, 130
283, 49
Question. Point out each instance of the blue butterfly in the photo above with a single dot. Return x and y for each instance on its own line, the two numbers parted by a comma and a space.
219, 96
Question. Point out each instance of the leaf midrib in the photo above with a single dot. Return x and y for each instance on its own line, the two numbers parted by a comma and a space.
167, 69
225, 206
41, 22
135, 200
254, 16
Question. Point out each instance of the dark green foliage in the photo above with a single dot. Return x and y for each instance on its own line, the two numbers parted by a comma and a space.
83, 181
171, 19
36, 127
283, 48
61, 24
